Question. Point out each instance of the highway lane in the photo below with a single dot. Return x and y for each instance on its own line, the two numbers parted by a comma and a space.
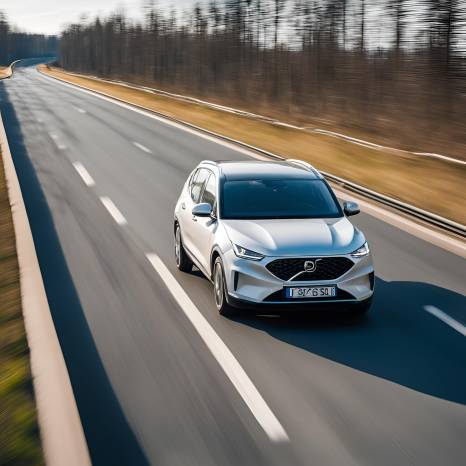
390, 389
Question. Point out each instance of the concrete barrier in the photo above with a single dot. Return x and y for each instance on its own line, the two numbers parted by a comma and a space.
62, 435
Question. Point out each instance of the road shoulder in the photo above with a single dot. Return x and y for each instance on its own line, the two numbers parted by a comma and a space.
61, 431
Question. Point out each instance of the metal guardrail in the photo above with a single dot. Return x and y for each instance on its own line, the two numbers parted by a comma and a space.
272, 121
421, 214
10, 67
424, 215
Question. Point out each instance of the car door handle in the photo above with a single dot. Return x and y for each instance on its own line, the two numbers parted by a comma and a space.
183, 206
194, 218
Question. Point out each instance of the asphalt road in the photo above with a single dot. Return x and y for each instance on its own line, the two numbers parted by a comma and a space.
389, 389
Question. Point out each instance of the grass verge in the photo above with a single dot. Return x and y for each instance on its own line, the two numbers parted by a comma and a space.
19, 435
430, 184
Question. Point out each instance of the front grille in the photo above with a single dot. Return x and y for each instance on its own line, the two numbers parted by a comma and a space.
326, 268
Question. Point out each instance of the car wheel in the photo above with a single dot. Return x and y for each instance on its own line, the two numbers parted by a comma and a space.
221, 303
183, 262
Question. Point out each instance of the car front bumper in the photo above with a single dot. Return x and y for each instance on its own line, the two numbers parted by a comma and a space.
250, 284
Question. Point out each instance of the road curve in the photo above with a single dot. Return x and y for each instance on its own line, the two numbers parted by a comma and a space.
100, 182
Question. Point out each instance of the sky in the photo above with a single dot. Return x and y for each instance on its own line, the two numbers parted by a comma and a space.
50, 16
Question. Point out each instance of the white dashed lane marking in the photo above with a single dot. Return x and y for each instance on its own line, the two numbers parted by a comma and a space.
84, 174
113, 211
80, 110
141, 147
57, 142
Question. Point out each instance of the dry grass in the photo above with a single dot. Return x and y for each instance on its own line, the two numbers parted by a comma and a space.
19, 437
430, 184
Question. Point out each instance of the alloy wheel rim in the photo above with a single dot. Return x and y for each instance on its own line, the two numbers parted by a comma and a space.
218, 286
177, 246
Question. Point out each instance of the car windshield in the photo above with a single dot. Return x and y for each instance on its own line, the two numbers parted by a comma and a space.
278, 198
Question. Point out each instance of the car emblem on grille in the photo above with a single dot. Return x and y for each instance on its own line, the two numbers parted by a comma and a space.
310, 266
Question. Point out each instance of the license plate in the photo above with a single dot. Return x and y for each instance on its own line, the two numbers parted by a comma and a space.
312, 292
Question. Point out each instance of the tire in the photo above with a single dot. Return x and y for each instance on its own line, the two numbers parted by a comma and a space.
183, 262
220, 299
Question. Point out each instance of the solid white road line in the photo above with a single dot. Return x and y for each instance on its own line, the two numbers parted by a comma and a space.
84, 174
223, 355
454, 324
113, 211
141, 147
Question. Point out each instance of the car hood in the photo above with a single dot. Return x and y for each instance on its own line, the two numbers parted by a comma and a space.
295, 237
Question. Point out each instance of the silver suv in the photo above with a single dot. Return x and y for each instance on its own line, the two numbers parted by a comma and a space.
271, 234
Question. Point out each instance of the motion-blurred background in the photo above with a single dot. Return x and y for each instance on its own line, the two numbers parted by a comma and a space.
373, 91
393, 70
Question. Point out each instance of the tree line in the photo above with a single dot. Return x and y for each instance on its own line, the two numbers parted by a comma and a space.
364, 64
15, 44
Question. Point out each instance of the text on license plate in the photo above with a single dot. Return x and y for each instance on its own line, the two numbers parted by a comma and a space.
312, 292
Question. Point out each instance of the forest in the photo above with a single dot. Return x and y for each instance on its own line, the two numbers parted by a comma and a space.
394, 70
15, 44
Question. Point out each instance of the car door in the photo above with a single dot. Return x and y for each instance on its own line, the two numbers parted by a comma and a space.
204, 228
183, 213
192, 197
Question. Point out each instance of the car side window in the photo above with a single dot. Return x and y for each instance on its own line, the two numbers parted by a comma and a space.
192, 179
209, 194
198, 184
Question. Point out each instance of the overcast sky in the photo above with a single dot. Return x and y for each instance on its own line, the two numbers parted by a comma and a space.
49, 16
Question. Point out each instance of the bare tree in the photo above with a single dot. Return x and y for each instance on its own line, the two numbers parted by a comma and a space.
362, 25
279, 6
326, 66
15, 44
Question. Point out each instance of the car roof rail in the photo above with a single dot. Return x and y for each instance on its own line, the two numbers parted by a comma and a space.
305, 165
209, 162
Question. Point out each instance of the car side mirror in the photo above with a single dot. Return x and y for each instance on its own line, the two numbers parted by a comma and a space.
202, 210
350, 208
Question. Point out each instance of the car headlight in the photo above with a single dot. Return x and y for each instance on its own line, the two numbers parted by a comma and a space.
247, 253
361, 252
